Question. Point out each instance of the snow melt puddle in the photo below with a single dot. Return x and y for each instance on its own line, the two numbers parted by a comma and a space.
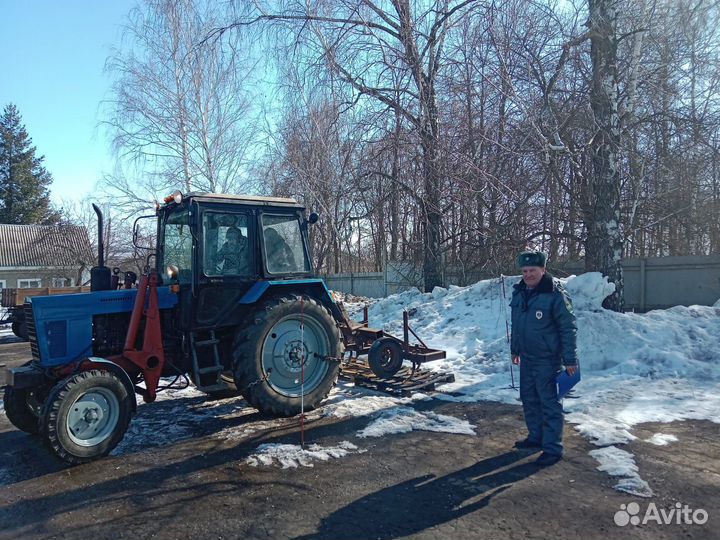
292, 455
406, 419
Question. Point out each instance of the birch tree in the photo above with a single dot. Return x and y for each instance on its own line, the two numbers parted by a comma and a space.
604, 245
179, 111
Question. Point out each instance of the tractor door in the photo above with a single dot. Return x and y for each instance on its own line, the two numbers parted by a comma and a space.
176, 249
227, 265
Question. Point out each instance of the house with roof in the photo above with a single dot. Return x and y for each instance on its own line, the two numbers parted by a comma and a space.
44, 256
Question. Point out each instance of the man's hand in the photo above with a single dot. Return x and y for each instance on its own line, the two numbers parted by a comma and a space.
516, 359
571, 369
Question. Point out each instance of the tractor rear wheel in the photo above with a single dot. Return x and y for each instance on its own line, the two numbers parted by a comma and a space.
286, 358
86, 415
385, 357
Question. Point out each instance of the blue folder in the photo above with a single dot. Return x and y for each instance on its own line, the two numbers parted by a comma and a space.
565, 382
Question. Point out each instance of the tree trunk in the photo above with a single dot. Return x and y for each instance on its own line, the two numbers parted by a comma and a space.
432, 217
604, 247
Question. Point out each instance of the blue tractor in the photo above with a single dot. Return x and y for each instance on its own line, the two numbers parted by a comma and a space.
230, 301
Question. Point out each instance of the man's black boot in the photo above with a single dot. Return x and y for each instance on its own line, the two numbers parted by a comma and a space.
545, 459
527, 444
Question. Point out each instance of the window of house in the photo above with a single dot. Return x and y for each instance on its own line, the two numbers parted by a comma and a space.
61, 282
28, 283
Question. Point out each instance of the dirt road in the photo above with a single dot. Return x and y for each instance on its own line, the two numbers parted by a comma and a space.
413, 485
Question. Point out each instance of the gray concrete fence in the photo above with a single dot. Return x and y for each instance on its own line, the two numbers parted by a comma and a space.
650, 283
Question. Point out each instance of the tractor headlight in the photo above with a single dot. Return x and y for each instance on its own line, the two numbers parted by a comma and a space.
173, 271
176, 197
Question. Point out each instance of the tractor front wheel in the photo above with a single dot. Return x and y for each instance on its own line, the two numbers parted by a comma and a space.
21, 407
286, 358
19, 328
86, 416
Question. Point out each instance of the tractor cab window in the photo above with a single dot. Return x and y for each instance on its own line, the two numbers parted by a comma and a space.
178, 245
226, 247
284, 247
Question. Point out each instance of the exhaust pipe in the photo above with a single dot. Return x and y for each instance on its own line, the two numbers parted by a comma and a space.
100, 274
101, 243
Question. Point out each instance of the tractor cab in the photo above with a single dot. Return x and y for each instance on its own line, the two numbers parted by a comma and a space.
216, 247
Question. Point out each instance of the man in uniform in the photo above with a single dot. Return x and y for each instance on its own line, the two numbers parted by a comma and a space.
544, 336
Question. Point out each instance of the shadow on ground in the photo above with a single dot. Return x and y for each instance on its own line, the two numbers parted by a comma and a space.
424, 502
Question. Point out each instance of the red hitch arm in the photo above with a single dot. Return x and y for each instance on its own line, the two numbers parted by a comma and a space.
150, 359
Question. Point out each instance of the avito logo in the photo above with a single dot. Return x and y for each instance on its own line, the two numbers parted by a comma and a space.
680, 514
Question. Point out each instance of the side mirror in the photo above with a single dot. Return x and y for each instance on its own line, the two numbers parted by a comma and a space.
136, 232
313, 218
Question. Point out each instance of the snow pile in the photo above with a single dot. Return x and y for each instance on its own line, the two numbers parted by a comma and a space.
292, 455
588, 290
406, 419
470, 324
618, 462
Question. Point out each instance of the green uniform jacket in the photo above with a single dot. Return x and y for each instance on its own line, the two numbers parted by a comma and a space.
543, 323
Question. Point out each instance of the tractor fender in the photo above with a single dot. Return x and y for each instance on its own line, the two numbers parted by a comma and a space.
314, 286
122, 375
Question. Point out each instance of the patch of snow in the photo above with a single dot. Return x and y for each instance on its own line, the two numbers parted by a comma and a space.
617, 462
292, 455
661, 439
406, 419
353, 403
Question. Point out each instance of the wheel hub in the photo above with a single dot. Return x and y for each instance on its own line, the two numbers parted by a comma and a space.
294, 356
92, 417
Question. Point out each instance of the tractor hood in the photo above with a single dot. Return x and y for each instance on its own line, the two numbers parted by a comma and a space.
61, 326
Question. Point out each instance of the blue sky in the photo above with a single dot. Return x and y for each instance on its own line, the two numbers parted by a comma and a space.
51, 67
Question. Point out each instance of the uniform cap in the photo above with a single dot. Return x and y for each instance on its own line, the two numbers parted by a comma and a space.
531, 258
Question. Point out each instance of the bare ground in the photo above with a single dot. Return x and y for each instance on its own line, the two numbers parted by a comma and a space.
414, 485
